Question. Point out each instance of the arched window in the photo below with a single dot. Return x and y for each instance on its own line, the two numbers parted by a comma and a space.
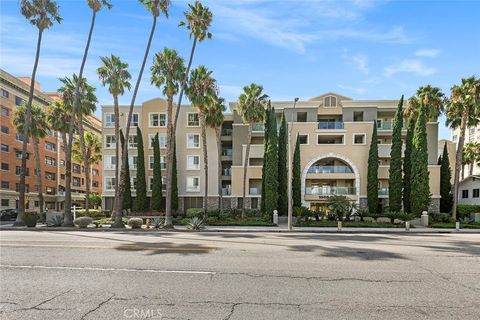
330, 102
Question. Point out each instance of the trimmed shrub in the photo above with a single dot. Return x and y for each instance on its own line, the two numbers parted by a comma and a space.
30, 220
135, 223
464, 209
55, 221
83, 222
441, 218
92, 213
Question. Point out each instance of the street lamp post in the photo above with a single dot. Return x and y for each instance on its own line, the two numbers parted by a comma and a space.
290, 167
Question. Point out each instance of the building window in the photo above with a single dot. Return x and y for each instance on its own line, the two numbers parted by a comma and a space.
5, 203
62, 176
94, 172
454, 138
95, 183
49, 190
163, 163
359, 138
20, 137
5, 112
193, 162
157, 119
472, 133
5, 129
465, 194
62, 162
134, 121
50, 146
301, 117
18, 154
193, 120
193, 184
18, 101
150, 162
109, 120
50, 176
5, 166
5, 185
132, 162
162, 139
330, 102
133, 183
50, 161
109, 162
476, 193
110, 142
4, 93
76, 181
76, 168
254, 203
132, 142
17, 188
303, 138
358, 116
19, 169
193, 140
5, 147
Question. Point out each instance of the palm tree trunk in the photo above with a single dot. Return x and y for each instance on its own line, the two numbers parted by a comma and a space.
117, 205
245, 166
458, 162
68, 218
218, 132
471, 167
169, 187
205, 161
39, 173
172, 136
85, 161
123, 171
21, 203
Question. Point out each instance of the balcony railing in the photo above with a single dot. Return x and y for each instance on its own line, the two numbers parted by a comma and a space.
330, 169
329, 125
227, 191
258, 127
330, 191
255, 191
227, 172
227, 152
227, 132
388, 125
383, 191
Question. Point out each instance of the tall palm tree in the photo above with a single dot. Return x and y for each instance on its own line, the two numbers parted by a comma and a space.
114, 73
201, 87
168, 70
154, 7
214, 119
431, 97
42, 14
38, 130
96, 6
251, 106
86, 101
91, 147
471, 154
463, 109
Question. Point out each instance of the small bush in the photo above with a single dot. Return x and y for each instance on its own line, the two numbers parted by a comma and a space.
157, 222
83, 222
135, 223
30, 219
441, 218
55, 221
198, 212
196, 224
303, 213
362, 213
464, 210
92, 213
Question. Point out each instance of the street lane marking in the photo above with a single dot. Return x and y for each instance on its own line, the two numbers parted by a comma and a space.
106, 269
121, 247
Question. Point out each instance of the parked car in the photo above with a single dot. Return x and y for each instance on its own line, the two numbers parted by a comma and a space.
8, 214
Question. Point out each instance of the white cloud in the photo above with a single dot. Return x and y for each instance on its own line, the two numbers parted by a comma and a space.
410, 66
358, 90
429, 53
361, 62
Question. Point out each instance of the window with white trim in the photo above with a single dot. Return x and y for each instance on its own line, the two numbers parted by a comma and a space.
359, 138
193, 140
193, 184
50, 161
330, 102
150, 183
109, 183
110, 142
50, 146
109, 120
193, 162
150, 162
133, 183
162, 139
157, 120
163, 162
132, 142
132, 162
134, 121
193, 120
109, 162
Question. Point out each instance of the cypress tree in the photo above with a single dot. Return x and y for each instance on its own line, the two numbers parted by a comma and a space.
265, 140
395, 170
282, 167
127, 196
407, 167
141, 201
296, 178
156, 200
174, 181
439, 162
271, 166
420, 176
446, 200
372, 175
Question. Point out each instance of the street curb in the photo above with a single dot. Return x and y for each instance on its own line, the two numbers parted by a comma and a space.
233, 230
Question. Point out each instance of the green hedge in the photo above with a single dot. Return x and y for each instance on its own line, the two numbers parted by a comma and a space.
464, 209
214, 212
92, 213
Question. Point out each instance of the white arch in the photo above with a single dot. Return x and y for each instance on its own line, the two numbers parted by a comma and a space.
331, 155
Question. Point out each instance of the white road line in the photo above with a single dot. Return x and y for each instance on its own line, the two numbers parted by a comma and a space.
106, 269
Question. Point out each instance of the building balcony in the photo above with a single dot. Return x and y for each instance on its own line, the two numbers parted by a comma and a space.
227, 191
330, 169
330, 191
227, 152
330, 125
258, 127
388, 125
227, 132
255, 191
383, 191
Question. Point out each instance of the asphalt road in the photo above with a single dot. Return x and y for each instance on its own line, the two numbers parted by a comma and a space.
95, 275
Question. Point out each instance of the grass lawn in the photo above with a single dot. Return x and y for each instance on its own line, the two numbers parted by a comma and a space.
349, 224
471, 225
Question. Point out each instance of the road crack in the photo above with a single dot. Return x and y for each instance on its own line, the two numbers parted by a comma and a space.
98, 307
36, 307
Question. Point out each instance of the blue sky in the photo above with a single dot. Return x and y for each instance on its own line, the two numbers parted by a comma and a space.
363, 49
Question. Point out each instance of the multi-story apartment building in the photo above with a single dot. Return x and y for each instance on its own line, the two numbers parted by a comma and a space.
334, 131
471, 134
14, 91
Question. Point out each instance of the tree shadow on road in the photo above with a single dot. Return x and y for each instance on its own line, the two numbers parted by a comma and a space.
165, 248
347, 252
458, 247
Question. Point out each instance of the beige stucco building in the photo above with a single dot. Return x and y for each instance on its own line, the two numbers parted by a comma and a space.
335, 134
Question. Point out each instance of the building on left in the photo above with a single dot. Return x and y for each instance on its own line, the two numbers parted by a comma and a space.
13, 92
